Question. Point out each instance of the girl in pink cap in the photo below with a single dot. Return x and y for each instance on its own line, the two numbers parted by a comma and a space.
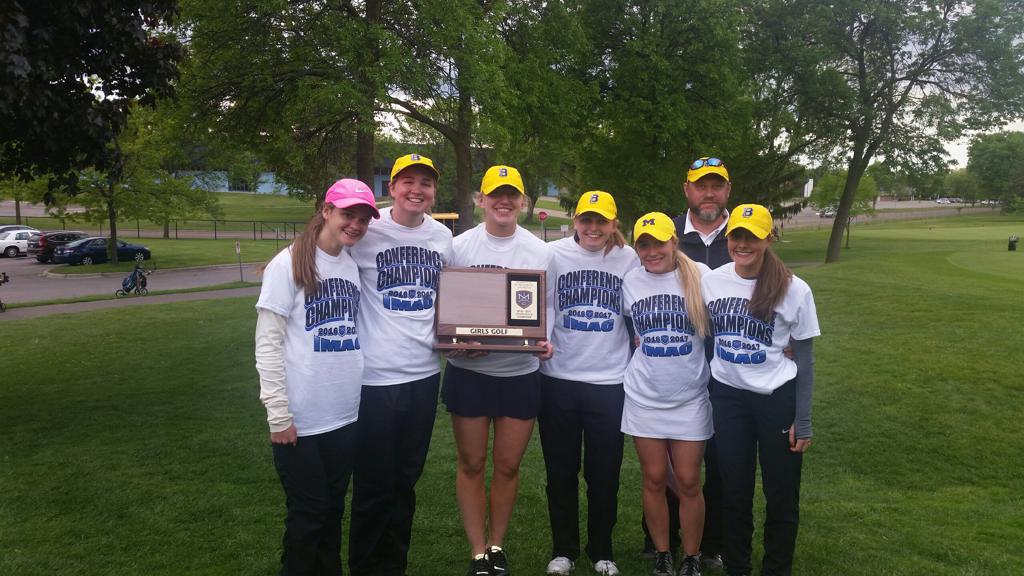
310, 366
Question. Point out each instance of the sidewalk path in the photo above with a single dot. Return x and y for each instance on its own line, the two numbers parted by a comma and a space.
37, 311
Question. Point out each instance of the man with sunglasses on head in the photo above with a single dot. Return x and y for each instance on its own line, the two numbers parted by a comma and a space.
707, 189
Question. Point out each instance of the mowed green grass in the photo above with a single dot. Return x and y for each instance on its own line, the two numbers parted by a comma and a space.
146, 452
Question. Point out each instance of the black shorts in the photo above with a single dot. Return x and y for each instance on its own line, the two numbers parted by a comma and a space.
472, 394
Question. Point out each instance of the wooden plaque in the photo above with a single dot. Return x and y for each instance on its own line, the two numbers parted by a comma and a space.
494, 309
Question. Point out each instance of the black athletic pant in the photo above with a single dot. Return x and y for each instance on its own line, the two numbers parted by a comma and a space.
751, 427
395, 425
315, 474
711, 543
581, 421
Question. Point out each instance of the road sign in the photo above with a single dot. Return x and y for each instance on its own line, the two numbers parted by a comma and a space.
542, 215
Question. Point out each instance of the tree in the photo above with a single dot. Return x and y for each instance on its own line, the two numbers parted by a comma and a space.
146, 182
70, 71
298, 82
828, 190
964, 185
541, 116
19, 191
454, 75
159, 149
891, 79
101, 195
663, 98
997, 161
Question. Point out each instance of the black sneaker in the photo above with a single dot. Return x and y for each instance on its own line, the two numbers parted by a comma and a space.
662, 564
691, 566
499, 562
712, 561
479, 566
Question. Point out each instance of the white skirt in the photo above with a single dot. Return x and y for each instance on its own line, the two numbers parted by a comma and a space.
689, 421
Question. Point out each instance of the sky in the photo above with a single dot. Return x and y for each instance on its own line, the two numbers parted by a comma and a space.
958, 149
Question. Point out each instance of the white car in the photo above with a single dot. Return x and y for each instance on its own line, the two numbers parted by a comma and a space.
14, 242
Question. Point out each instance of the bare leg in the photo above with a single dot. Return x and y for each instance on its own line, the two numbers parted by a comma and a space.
511, 437
654, 467
471, 435
686, 460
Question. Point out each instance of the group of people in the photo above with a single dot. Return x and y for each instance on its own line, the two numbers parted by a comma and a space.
695, 341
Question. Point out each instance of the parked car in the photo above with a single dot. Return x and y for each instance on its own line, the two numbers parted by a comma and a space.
93, 250
14, 242
827, 212
43, 244
9, 227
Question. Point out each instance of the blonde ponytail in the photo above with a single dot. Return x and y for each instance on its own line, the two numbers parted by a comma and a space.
689, 281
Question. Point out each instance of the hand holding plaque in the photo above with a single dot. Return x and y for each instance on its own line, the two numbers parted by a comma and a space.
492, 309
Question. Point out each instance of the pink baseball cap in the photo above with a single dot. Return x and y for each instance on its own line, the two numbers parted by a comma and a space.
350, 192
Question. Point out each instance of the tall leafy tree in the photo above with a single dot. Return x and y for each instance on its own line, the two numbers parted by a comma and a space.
70, 71
455, 71
997, 161
670, 85
540, 118
893, 79
298, 82
160, 150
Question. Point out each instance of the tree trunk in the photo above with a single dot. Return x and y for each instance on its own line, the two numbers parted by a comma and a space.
366, 123
854, 172
167, 228
533, 192
464, 163
112, 218
364, 154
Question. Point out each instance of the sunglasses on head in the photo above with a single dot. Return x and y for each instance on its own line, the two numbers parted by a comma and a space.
697, 164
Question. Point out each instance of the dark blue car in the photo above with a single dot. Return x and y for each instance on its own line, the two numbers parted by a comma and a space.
94, 250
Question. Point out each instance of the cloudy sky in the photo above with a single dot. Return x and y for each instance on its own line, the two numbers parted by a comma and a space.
958, 150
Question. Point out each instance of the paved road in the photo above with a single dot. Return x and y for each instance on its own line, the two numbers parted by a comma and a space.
29, 283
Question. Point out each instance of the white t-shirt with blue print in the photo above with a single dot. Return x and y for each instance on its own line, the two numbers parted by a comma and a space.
748, 351
323, 358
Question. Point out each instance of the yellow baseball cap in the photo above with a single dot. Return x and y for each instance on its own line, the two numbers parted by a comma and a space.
705, 165
599, 202
656, 224
497, 176
753, 217
411, 160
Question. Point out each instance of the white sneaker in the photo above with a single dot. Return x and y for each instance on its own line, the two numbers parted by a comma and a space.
606, 567
560, 566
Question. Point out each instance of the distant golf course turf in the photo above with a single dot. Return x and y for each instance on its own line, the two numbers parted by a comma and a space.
136, 443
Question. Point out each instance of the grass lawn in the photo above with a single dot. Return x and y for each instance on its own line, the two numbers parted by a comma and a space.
147, 453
